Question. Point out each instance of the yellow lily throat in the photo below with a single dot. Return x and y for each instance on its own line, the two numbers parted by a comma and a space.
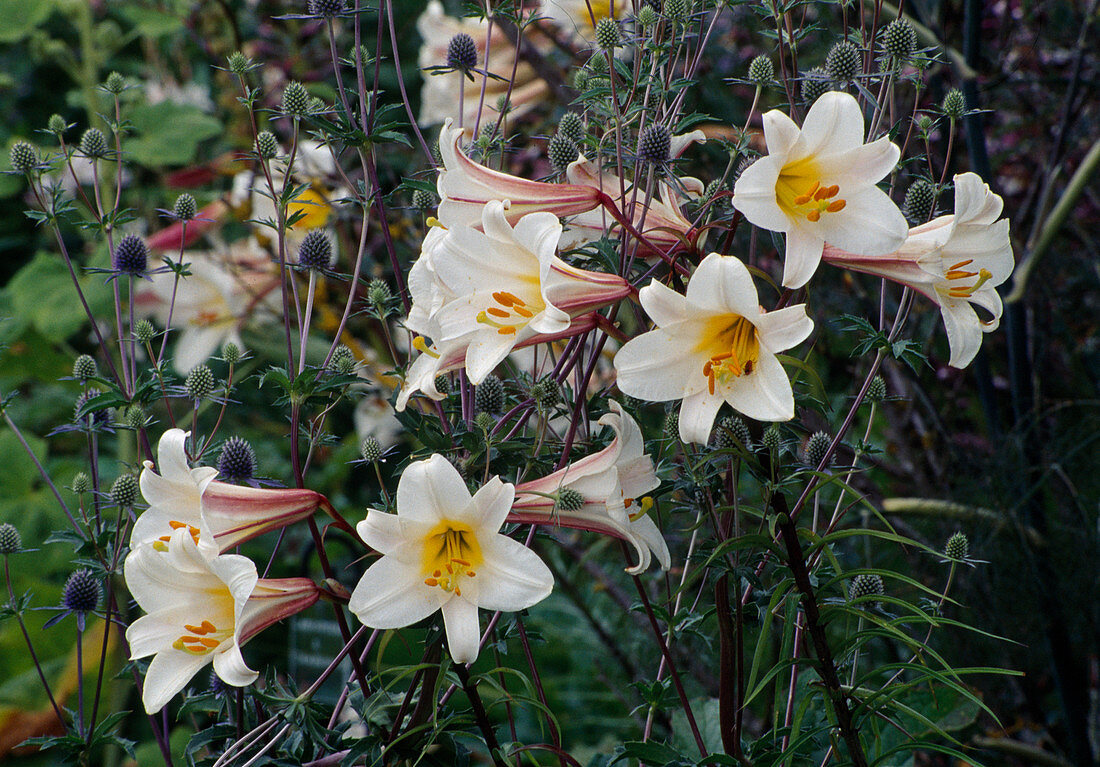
508, 315
958, 272
451, 553
734, 348
201, 639
799, 191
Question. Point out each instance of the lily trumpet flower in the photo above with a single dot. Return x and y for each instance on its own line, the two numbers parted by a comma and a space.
443, 551
465, 187
604, 492
956, 260
217, 515
817, 185
494, 289
714, 345
201, 610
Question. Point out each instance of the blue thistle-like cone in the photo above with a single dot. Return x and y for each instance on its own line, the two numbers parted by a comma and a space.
899, 39
654, 144
958, 546
82, 592
572, 126
844, 61
315, 252
200, 382
267, 146
93, 143
98, 418
462, 52
23, 156
954, 105
608, 35
815, 84
231, 353
546, 392
561, 151
237, 460
85, 367
185, 208
370, 449
920, 201
124, 491
144, 331
876, 391
761, 71
866, 585
569, 500
443, 384
295, 99
10, 540
816, 447
131, 256
422, 199
672, 424
82, 483
327, 8
489, 396
238, 63
343, 361
57, 125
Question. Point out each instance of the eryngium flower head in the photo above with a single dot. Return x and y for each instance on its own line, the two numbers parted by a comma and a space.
647, 17
899, 39
93, 143
343, 361
144, 331
672, 424
954, 106
327, 8
761, 71
608, 34
82, 483
115, 83
231, 353
844, 61
199, 383
267, 146
561, 151
654, 144
866, 585
131, 255
98, 418
876, 391
489, 395
957, 547
920, 200
572, 127
422, 199
370, 449
295, 99
315, 252
185, 208
85, 367
23, 156
237, 460
124, 491
462, 52
816, 447
569, 499
815, 84
82, 592
731, 431
57, 125
239, 63
771, 440
677, 10
546, 392
378, 292
10, 540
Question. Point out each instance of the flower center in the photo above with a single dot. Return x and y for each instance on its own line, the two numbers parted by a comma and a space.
959, 272
800, 192
201, 639
161, 544
734, 348
451, 552
507, 314
643, 505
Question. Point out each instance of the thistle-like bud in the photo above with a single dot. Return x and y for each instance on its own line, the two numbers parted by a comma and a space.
489, 395
920, 199
93, 143
816, 447
115, 83
876, 391
815, 84
10, 540
82, 483
771, 439
866, 585
239, 63
484, 421
561, 151
954, 106
185, 208
647, 17
216, 686
131, 256
654, 144
199, 383
98, 418
546, 392
57, 125
672, 424
925, 123
462, 52
237, 460
733, 430
422, 199
231, 353
315, 252
572, 126
597, 65
23, 156
378, 292
370, 449
844, 61
144, 331
761, 71
608, 35
569, 500
135, 417
343, 361
677, 10
957, 547
267, 146
327, 8
124, 491
82, 592
899, 40
442, 385
85, 367
295, 99
597, 82
580, 79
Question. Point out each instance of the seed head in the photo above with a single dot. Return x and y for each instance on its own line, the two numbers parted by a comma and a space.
237, 460
239, 63
815, 84
378, 292
144, 331
115, 83
422, 199
92, 420
732, 430
569, 500
185, 208
82, 592
608, 35
57, 125
647, 17
23, 156
899, 40
654, 144
93, 143
957, 547
131, 256
876, 391
343, 361
672, 424
82, 483
844, 61
295, 100
462, 52
489, 396
561, 151
761, 71
484, 421
920, 201
315, 252
954, 106
231, 353
866, 585
771, 439
816, 447
199, 383
10, 540
546, 392
135, 417
370, 449
267, 146
327, 8
85, 367
572, 126
124, 491
442, 385
677, 10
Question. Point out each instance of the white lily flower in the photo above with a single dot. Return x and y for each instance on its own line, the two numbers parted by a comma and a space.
443, 551
956, 260
493, 289
217, 515
201, 610
714, 345
604, 492
817, 185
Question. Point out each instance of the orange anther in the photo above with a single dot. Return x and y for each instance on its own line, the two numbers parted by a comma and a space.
507, 330
814, 215
961, 264
836, 206
822, 193
523, 311
496, 312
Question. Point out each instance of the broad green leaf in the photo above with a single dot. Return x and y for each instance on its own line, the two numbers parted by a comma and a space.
169, 134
